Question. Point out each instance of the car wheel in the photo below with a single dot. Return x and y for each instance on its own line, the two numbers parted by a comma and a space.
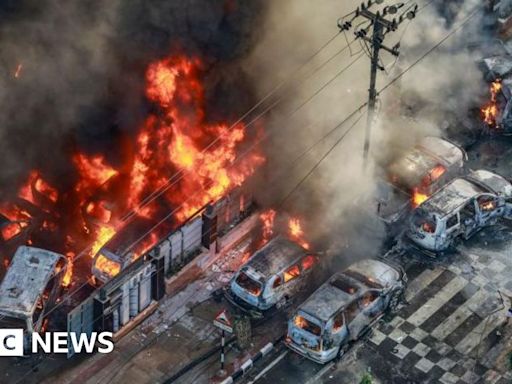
395, 300
341, 352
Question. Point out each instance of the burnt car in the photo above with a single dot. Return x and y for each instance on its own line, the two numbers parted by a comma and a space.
344, 308
271, 277
30, 288
416, 174
459, 210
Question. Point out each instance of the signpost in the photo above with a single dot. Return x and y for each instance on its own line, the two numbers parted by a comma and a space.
223, 322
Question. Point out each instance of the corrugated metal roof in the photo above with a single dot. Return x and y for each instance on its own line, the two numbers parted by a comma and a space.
26, 279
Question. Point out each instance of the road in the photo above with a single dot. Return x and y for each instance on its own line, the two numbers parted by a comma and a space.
452, 328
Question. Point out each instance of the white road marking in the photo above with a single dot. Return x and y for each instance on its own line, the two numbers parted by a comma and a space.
459, 315
421, 282
480, 332
270, 366
437, 301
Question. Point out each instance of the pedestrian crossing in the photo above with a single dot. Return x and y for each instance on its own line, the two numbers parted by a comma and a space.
443, 334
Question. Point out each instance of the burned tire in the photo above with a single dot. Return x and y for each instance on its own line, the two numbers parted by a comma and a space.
396, 298
342, 351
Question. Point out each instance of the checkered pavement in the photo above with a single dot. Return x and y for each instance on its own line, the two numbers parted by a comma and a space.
450, 329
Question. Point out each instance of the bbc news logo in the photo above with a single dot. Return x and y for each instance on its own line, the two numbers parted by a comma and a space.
12, 342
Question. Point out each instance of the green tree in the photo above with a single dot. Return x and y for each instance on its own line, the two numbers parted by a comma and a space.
366, 379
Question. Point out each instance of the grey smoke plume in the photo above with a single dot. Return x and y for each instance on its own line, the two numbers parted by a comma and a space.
81, 73
333, 200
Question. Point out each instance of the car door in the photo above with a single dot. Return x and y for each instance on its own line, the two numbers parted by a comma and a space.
372, 303
487, 206
356, 319
292, 280
468, 218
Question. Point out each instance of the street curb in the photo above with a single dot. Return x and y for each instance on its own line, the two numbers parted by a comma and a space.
247, 365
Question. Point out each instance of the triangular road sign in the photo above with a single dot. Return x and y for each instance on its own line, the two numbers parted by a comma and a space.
223, 321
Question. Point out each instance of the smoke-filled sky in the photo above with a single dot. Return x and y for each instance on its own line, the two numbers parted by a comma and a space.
332, 198
81, 72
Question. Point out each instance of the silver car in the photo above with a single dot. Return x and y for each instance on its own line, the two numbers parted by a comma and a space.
415, 175
271, 277
459, 210
344, 308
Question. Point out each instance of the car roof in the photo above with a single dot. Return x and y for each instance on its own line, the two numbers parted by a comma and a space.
326, 300
451, 197
278, 254
460, 190
492, 182
329, 299
380, 272
416, 163
30, 271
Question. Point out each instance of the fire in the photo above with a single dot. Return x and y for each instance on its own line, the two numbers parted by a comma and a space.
490, 110
104, 234
296, 233
108, 266
66, 280
17, 72
437, 172
93, 171
418, 198
176, 137
10, 230
35, 183
267, 219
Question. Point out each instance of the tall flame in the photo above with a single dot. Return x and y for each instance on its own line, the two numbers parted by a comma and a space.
490, 110
177, 137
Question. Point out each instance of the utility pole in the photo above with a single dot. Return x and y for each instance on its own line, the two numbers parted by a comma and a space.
381, 26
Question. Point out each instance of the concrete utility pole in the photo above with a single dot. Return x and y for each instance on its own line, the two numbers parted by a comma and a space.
380, 26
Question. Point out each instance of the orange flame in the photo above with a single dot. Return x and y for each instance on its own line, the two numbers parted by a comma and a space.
490, 110
418, 198
296, 233
17, 72
267, 219
178, 137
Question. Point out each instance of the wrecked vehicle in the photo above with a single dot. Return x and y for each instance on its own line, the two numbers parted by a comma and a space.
344, 308
415, 175
271, 277
459, 210
30, 288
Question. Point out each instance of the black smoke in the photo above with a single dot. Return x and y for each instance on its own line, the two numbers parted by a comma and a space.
82, 73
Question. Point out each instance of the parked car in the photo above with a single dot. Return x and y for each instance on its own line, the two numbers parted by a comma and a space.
30, 289
460, 209
271, 277
344, 308
414, 176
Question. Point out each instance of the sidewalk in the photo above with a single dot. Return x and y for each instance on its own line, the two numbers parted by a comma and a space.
179, 331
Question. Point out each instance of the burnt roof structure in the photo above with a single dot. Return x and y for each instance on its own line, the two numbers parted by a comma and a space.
461, 190
278, 254
26, 279
410, 169
333, 295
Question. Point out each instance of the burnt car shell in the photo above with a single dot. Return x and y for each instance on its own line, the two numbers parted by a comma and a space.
460, 209
334, 315
265, 280
413, 170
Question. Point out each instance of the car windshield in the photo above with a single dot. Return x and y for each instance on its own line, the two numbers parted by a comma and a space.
366, 280
107, 266
307, 325
250, 285
424, 222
